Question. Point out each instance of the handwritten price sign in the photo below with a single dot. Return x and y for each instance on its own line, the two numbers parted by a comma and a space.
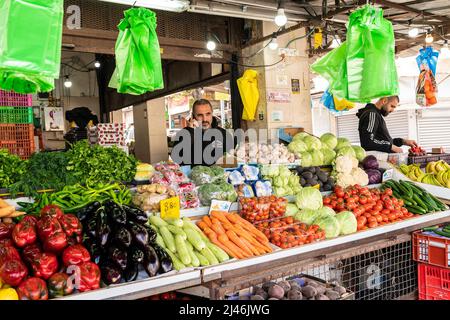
170, 208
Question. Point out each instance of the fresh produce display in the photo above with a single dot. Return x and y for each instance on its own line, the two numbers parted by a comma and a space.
309, 198
371, 207
168, 173
415, 198
436, 173
285, 232
39, 247
284, 182
314, 176
297, 288
120, 242
202, 175
416, 151
262, 208
148, 197
371, 167
220, 191
144, 172
186, 244
74, 197
11, 168
264, 153
347, 173
235, 235
8, 212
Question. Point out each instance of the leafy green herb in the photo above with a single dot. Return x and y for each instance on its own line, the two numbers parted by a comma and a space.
11, 168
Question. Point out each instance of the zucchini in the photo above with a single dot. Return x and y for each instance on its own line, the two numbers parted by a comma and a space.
431, 203
157, 221
410, 191
409, 200
203, 261
177, 264
438, 202
218, 252
209, 255
416, 210
404, 191
175, 222
168, 239
420, 203
194, 259
430, 228
182, 250
195, 239
442, 233
176, 230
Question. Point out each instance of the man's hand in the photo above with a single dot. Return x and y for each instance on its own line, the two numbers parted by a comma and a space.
396, 149
192, 123
410, 143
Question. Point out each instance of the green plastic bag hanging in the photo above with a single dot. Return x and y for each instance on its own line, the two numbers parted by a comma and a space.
138, 58
333, 67
371, 69
30, 44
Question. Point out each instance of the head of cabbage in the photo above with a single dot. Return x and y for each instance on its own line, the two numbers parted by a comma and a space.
307, 216
309, 198
328, 156
360, 153
330, 225
291, 209
297, 146
347, 222
317, 158
346, 151
342, 142
328, 140
325, 211
300, 136
312, 143
306, 159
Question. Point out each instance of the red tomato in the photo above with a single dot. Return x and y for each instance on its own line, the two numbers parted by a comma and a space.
340, 200
392, 216
378, 207
361, 222
363, 200
371, 219
379, 218
373, 224
404, 210
339, 193
401, 203
389, 207
326, 200
388, 191
385, 211
385, 217
367, 215
333, 204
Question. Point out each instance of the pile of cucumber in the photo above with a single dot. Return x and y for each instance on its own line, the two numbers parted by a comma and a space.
416, 199
442, 231
185, 243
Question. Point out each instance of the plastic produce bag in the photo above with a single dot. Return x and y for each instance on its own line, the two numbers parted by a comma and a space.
138, 58
428, 58
30, 44
371, 69
248, 88
426, 89
342, 104
327, 101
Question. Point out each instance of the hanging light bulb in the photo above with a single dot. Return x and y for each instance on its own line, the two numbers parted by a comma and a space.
413, 32
429, 38
97, 64
273, 45
445, 51
211, 45
281, 19
67, 82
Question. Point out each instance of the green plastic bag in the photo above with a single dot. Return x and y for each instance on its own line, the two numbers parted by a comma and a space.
30, 44
138, 58
371, 69
333, 67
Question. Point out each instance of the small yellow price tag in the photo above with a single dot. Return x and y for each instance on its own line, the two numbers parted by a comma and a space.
170, 208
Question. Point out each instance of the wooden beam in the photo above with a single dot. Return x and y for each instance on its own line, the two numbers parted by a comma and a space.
410, 9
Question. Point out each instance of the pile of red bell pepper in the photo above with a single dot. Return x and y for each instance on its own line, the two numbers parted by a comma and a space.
31, 252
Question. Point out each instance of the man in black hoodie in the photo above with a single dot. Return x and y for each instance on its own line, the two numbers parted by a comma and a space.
373, 133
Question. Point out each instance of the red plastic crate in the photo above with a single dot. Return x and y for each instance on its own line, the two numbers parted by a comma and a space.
433, 250
18, 139
434, 282
12, 99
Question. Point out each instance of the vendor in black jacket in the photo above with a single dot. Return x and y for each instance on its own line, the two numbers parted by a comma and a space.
373, 133
202, 142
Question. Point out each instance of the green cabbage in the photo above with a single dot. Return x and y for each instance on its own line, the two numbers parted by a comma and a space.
270, 170
300, 136
317, 158
325, 211
329, 140
309, 198
342, 142
328, 156
330, 225
347, 222
306, 159
312, 143
359, 152
291, 209
201, 175
346, 151
297, 146
307, 216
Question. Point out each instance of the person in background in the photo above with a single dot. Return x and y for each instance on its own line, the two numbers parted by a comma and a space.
202, 119
373, 132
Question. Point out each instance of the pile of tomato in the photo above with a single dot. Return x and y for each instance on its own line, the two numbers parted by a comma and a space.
372, 207
287, 233
262, 208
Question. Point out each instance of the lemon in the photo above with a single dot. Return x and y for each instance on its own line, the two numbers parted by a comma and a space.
8, 294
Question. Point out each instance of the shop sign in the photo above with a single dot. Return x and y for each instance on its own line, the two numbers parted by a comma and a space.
170, 208
281, 97
178, 104
220, 96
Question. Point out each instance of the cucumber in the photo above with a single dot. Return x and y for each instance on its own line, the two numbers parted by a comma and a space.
195, 239
175, 222
218, 252
430, 228
189, 224
194, 259
416, 210
442, 233
168, 239
176, 230
157, 221
431, 203
391, 184
182, 250
177, 264
404, 191
420, 203
209, 255
160, 241
438, 202
409, 200
203, 261
410, 191
415, 188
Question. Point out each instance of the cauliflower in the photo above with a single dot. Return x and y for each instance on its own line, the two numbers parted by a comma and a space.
354, 162
360, 177
344, 164
344, 180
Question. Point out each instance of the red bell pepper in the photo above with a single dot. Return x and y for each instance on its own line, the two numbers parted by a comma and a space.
71, 225
59, 285
75, 255
30, 219
31, 252
55, 242
6, 243
13, 271
45, 265
52, 210
8, 253
51, 234
33, 289
24, 233
6, 230
89, 276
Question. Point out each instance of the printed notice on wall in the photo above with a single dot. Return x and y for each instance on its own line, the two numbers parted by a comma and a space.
282, 80
276, 96
277, 116
295, 84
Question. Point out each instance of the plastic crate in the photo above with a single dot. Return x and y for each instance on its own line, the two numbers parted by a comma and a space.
17, 115
12, 99
423, 160
434, 282
445, 157
18, 139
431, 248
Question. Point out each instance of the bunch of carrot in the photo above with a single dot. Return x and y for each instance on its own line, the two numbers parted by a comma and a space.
235, 235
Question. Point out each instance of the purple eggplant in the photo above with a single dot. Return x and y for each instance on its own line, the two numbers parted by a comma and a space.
118, 256
111, 274
151, 261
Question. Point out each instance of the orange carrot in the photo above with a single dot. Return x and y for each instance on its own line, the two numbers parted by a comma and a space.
254, 250
202, 225
207, 220
247, 236
213, 238
237, 252
217, 227
220, 215
237, 241
227, 226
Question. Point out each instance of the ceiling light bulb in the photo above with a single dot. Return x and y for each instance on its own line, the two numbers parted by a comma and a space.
335, 43
429, 38
445, 51
97, 64
413, 32
67, 82
280, 19
211, 45
273, 45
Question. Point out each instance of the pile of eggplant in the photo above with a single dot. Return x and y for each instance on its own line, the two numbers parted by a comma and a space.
121, 243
